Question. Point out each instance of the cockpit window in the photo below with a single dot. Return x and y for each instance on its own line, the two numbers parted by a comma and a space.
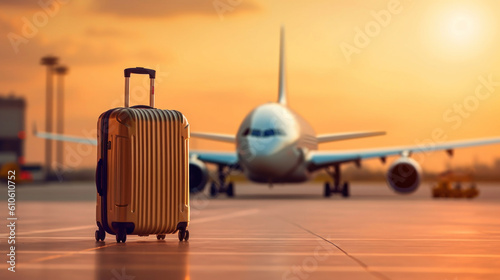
256, 132
263, 133
268, 132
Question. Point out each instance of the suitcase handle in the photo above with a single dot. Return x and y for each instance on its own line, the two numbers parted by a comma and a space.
140, 70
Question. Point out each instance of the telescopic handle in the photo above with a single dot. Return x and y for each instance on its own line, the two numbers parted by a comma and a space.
140, 70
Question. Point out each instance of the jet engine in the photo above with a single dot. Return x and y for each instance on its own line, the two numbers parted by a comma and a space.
198, 175
404, 175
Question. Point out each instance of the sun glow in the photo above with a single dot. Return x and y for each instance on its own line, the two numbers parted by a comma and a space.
457, 32
462, 27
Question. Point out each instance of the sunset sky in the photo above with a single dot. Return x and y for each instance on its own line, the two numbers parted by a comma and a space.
406, 67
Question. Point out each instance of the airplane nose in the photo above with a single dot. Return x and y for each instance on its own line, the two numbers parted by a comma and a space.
263, 147
267, 158
258, 148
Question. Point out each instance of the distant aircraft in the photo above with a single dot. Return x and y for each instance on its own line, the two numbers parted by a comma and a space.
276, 145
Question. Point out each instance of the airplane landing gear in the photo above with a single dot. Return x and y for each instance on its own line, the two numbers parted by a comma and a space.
345, 190
230, 189
328, 190
221, 186
214, 190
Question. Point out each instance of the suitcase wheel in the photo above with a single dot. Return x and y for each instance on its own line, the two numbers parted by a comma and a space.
121, 235
183, 235
160, 236
100, 235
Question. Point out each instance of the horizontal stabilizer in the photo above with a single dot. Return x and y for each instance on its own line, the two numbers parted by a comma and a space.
215, 136
66, 138
345, 136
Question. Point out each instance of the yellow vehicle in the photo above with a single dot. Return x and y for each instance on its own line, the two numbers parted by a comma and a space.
446, 179
21, 176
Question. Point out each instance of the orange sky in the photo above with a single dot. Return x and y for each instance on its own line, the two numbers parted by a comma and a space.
216, 60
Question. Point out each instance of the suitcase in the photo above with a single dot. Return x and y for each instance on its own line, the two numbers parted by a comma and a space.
142, 170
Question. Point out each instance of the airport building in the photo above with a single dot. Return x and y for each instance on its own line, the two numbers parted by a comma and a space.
12, 132
12, 136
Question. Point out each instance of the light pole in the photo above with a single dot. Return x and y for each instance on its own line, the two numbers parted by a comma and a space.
48, 61
60, 71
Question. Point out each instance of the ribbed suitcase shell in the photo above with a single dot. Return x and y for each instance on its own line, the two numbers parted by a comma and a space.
147, 171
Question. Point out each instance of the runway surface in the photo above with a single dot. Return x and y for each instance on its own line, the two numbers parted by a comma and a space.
287, 232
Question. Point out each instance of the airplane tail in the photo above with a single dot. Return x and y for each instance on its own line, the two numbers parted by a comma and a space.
282, 74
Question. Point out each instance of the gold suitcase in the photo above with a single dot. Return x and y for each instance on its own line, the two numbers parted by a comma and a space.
142, 174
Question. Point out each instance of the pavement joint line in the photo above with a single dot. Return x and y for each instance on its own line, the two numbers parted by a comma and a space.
276, 254
236, 214
71, 253
420, 270
358, 261
281, 239
222, 217
48, 230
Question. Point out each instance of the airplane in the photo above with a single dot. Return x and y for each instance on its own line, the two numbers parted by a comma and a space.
275, 145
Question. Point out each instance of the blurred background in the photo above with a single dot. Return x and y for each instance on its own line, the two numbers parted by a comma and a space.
424, 71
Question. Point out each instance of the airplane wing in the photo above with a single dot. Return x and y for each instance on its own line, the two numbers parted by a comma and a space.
215, 136
321, 159
224, 158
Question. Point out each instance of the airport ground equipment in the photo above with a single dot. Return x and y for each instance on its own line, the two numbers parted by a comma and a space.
142, 175
444, 186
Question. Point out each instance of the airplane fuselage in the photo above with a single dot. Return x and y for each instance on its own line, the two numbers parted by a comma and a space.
272, 143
